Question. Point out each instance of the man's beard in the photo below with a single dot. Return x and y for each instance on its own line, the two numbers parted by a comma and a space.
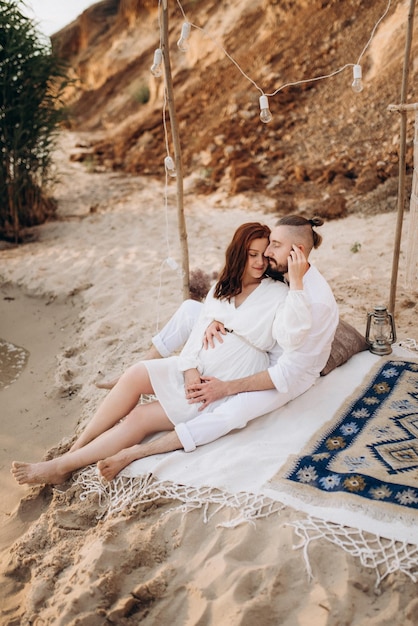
274, 273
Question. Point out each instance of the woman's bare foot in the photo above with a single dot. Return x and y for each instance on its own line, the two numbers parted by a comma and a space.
45, 472
111, 466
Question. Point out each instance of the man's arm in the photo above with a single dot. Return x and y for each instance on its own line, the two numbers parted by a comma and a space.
212, 389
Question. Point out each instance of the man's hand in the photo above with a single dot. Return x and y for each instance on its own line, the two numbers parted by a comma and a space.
215, 330
297, 268
207, 391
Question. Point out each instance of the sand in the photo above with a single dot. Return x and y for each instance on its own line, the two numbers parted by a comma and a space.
81, 302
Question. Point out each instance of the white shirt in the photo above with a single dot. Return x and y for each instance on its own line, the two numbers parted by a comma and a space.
304, 328
305, 324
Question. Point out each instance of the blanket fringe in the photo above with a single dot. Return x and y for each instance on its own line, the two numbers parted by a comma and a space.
385, 556
126, 492
409, 344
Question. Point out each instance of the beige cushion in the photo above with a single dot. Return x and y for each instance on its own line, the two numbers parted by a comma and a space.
347, 341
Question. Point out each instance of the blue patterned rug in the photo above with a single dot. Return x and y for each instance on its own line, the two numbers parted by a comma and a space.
366, 457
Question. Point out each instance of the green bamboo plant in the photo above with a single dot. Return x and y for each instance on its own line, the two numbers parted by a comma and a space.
32, 83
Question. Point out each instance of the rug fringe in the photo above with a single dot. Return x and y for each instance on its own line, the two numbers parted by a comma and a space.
384, 556
408, 344
125, 491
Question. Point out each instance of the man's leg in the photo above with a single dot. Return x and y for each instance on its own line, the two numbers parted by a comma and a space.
175, 333
111, 466
171, 337
235, 412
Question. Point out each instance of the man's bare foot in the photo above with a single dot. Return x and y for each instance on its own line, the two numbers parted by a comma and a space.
106, 385
111, 466
45, 472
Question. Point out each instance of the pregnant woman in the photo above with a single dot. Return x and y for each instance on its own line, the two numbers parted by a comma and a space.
245, 301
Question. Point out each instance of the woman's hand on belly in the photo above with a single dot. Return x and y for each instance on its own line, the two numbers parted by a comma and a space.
191, 379
206, 391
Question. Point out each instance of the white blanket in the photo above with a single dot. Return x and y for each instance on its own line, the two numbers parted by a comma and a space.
235, 470
244, 460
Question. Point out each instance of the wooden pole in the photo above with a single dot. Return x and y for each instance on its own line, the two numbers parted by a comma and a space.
177, 153
402, 159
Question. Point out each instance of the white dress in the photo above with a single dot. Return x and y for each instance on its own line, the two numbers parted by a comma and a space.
304, 328
242, 353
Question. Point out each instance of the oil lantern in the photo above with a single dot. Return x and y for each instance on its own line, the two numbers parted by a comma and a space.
380, 331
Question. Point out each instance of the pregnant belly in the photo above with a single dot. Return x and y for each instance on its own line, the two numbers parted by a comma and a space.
234, 358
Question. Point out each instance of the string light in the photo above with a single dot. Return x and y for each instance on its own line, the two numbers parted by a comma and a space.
341, 69
357, 84
156, 69
265, 115
170, 168
182, 43
172, 263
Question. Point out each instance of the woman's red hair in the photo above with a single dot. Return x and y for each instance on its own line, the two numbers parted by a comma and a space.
230, 280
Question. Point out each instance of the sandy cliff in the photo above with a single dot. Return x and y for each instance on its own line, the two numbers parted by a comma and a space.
327, 148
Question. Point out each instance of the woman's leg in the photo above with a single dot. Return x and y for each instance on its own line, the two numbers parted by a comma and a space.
152, 353
176, 332
119, 402
142, 421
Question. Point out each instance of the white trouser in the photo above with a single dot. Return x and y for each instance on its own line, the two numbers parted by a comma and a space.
177, 330
235, 412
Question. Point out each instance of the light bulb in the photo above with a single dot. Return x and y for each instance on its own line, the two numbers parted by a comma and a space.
170, 168
357, 85
265, 115
156, 69
182, 42
172, 263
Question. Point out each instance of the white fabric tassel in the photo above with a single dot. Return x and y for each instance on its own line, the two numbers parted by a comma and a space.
124, 492
384, 556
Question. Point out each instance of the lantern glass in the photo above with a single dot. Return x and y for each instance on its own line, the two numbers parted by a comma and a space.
380, 332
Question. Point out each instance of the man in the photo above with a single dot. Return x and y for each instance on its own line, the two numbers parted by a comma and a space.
304, 344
